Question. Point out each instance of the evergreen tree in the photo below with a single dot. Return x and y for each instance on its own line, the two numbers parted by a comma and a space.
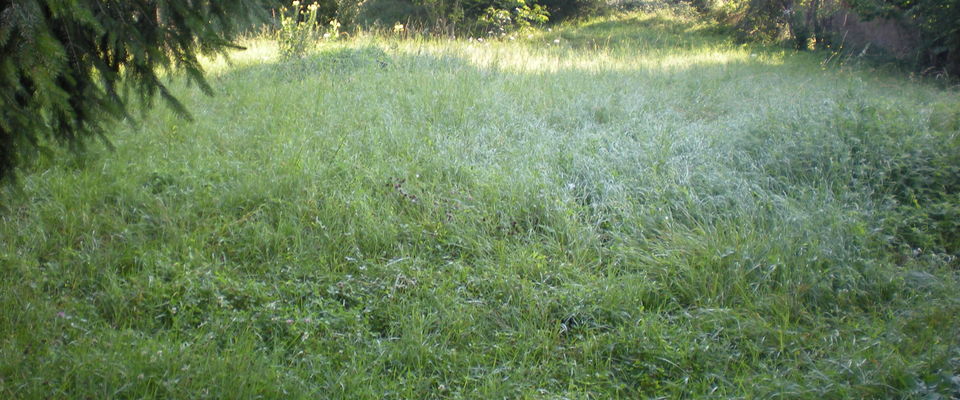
70, 67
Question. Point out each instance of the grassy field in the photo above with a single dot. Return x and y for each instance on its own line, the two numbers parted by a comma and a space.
629, 207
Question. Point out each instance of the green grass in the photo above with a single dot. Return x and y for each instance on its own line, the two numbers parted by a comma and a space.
632, 207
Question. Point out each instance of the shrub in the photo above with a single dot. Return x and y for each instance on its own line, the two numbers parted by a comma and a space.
517, 16
348, 12
937, 23
477, 16
799, 22
450, 16
573, 9
298, 29
390, 12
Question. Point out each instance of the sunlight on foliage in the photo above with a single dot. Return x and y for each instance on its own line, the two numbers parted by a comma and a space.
298, 29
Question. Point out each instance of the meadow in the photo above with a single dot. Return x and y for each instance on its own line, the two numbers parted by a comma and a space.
627, 207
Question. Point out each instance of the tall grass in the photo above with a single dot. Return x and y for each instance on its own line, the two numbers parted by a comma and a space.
626, 207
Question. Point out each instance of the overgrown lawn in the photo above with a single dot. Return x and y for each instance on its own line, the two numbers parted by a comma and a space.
631, 207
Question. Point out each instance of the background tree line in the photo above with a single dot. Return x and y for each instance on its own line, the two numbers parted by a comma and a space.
449, 16
933, 26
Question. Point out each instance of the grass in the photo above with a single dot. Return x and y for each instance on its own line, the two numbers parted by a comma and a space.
622, 208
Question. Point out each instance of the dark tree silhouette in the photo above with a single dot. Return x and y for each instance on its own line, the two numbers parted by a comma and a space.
69, 68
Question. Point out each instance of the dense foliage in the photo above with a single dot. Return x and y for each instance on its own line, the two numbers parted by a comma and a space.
794, 21
937, 23
463, 16
570, 9
67, 68
805, 23
454, 16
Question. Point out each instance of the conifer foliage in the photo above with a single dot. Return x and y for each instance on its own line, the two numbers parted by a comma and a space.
70, 67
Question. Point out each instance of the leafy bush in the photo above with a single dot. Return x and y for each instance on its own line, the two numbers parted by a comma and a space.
572, 9
475, 16
518, 16
796, 21
298, 29
937, 23
348, 12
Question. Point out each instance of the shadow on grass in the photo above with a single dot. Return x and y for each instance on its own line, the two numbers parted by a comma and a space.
644, 32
